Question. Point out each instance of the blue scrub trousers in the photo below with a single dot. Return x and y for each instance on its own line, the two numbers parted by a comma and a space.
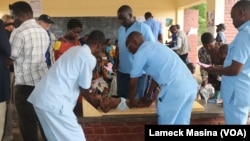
60, 127
235, 114
175, 108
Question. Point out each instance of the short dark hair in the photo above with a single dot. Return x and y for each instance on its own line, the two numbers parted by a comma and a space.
207, 38
242, 4
73, 23
135, 35
148, 15
223, 47
21, 7
125, 8
173, 26
96, 36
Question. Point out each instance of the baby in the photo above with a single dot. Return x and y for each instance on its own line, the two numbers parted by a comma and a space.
206, 91
107, 103
223, 52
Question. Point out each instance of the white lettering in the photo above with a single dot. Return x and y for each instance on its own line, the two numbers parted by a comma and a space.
205, 132
232, 132
166, 133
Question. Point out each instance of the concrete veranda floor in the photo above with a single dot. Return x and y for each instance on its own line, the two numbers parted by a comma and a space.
17, 135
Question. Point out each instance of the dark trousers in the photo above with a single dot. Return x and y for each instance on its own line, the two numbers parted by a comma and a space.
184, 58
27, 119
123, 85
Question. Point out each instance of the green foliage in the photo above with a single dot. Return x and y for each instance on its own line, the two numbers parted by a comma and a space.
202, 8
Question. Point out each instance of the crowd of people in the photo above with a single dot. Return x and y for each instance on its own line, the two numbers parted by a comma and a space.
51, 75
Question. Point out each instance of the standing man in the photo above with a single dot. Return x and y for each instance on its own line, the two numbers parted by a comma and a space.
235, 82
209, 54
29, 43
55, 96
46, 22
154, 25
129, 24
181, 47
5, 52
178, 86
220, 37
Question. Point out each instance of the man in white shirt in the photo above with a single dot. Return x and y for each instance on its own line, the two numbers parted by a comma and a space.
46, 22
182, 47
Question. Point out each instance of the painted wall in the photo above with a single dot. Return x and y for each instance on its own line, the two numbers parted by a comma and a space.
161, 9
188, 3
222, 10
69, 8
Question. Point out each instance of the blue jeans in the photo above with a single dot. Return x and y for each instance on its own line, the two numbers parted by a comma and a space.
123, 85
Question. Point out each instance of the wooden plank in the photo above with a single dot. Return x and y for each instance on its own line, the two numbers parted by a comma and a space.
90, 111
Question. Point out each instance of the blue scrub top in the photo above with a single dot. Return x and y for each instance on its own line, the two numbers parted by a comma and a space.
59, 89
236, 89
164, 66
125, 57
155, 27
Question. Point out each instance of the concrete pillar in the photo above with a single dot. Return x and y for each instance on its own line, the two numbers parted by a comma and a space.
215, 14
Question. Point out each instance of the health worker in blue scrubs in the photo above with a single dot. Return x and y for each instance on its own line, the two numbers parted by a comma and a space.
178, 88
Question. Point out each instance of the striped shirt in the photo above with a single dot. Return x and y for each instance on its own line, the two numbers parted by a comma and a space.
29, 43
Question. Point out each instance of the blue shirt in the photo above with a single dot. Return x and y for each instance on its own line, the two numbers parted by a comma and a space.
164, 66
236, 89
155, 27
125, 57
108, 50
47, 54
59, 89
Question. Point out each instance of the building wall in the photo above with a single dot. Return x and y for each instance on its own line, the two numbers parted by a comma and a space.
230, 31
191, 21
133, 128
161, 9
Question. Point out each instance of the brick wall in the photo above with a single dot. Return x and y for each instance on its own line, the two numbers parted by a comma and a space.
132, 128
117, 129
122, 128
191, 20
230, 31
